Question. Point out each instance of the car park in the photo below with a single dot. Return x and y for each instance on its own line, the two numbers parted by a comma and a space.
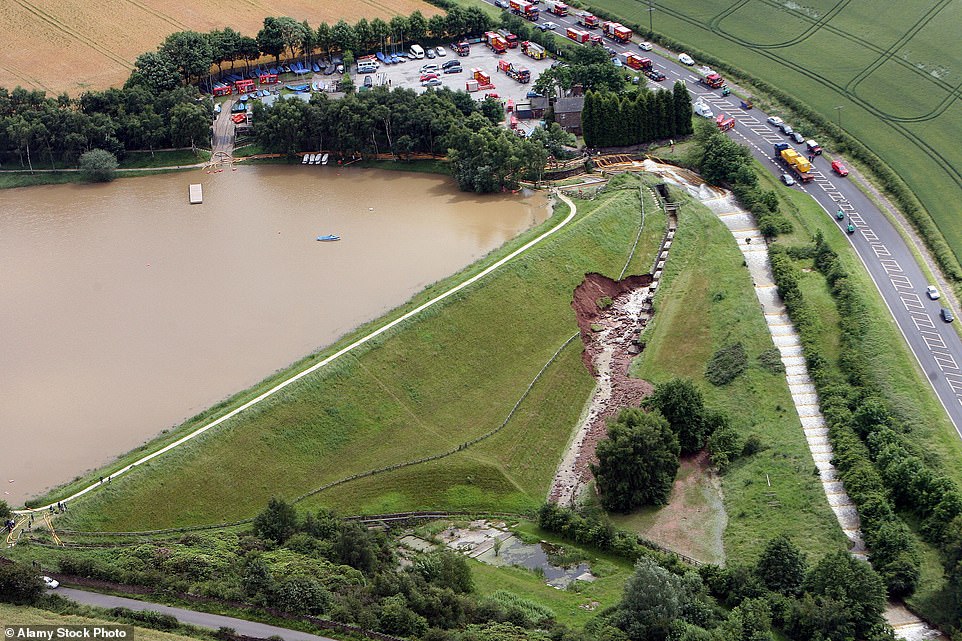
440, 51
774, 121
932, 292
787, 179
839, 168
797, 137
685, 59
644, 46
946, 314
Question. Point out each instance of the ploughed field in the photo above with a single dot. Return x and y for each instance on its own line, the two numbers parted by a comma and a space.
894, 68
76, 45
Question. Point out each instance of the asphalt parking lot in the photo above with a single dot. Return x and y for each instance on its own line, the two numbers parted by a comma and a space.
407, 74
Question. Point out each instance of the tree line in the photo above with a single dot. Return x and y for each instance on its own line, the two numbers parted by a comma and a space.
613, 120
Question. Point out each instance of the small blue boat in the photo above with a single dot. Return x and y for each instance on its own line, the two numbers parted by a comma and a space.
329, 237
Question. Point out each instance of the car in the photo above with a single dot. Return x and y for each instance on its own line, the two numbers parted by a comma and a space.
430, 54
839, 168
611, 52
655, 75
787, 179
932, 292
644, 46
456, 69
501, 3
533, 94
429, 68
786, 129
774, 121
541, 25
428, 76
433, 82
409, 56
368, 81
797, 137
440, 51
550, 26
946, 314
52, 584
451, 63
617, 62
685, 59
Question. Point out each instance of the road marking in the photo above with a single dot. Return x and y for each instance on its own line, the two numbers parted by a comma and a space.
890, 266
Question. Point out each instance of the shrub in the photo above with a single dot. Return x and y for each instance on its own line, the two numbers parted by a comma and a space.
771, 360
727, 364
98, 166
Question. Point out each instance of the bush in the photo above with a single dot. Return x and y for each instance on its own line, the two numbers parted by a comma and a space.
727, 364
771, 360
19, 584
98, 166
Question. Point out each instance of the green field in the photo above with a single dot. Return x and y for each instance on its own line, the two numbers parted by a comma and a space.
22, 615
420, 390
705, 302
894, 68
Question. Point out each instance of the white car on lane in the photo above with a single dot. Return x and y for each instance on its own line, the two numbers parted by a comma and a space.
685, 59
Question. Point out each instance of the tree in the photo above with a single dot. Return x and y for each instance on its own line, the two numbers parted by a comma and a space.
343, 37
853, 584
270, 38
362, 34
682, 404
683, 109
248, 49
308, 41
653, 599
638, 461
5, 512
437, 26
277, 522
189, 122
417, 26
190, 52
398, 27
324, 38
781, 566
355, 546
291, 33
19, 584
155, 70
447, 569
98, 166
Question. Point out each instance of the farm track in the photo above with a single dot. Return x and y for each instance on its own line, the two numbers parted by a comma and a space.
896, 123
180, 26
816, 25
73, 33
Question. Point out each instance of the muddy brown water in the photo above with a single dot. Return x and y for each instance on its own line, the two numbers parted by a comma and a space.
124, 310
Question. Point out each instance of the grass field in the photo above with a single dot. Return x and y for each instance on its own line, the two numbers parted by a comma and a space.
894, 69
77, 45
705, 302
17, 615
424, 388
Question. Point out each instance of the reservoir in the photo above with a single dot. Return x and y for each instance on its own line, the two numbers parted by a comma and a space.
125, 310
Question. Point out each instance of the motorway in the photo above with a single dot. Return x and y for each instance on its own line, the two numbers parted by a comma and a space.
884, 252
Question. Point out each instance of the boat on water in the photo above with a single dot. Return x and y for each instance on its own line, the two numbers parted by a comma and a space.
306, 160
329, 237
324, 159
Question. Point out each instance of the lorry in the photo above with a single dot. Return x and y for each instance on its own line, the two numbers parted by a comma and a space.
635, 61
557, 8
588, 21
495, 41
702, 109
526, 10
461, 48
515, 72
533, 50
577, 35
616, 31
712, 80
794, 162
509, 38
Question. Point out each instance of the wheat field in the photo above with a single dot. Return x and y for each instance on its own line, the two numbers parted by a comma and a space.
76, 45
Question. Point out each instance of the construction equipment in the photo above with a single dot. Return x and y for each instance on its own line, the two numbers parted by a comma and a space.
521, 74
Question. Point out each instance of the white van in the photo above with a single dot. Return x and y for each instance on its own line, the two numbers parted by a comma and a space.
417, 51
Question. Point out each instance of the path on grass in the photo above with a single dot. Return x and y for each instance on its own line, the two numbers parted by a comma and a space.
330, 359
191, 617
755, 251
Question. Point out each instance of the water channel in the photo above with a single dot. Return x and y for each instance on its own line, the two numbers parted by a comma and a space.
124, 310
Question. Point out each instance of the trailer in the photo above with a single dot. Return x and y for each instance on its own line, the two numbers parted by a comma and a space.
557, 8
533, 50
509, 38
588, 21
712, 80
577, 35
797, 165
515, 72
634, 61
616, 31
526, 10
